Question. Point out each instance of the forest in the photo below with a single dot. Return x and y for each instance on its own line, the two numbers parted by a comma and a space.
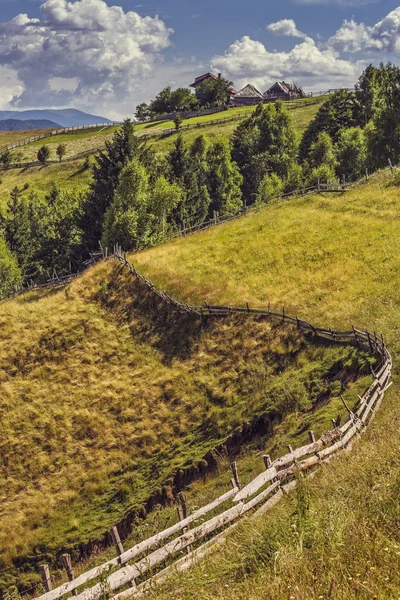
137, 198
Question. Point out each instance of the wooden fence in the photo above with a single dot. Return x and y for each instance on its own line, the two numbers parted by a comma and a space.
53, 132
133, 571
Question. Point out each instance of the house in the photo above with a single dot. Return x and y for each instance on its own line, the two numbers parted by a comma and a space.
248, 96
283, 91
200, 80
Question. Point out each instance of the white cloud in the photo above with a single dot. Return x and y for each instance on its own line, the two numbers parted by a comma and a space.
110, 55
357, 37
285, 27
249, 61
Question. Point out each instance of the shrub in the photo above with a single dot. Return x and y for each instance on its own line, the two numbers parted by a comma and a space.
270, 187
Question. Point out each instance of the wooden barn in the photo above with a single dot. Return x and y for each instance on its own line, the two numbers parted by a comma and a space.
283, 91
248, 96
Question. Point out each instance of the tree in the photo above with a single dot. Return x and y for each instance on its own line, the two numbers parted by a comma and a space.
143, 112
351, 153
6, 159
367, 90
161, 104
182, 99
43, 154
341, 111
270, 187
321, 175
61, 151
321, 152
215, 91
224, 180
264, 143
178, 122
178, 160
383, 136
123, 148
125, 221
10, 274
138, 215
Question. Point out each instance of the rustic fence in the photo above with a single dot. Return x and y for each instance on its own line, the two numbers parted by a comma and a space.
53, 132
193, 533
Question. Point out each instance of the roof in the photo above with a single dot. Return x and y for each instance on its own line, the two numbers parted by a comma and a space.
198, 80
202, 78
286, 88
249, 91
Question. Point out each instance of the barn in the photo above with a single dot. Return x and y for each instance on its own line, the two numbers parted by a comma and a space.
283, 91
197, 85
248, 96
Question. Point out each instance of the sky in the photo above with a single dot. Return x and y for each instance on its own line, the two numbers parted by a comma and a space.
106, 56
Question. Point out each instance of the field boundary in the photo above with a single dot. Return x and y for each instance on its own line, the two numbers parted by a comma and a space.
264, 491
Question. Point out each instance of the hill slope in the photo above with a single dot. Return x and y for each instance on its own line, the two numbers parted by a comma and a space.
31, 124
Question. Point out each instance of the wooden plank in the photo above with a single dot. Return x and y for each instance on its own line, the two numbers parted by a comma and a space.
289, 458
257, 483
129, 573
261, 497
138, 549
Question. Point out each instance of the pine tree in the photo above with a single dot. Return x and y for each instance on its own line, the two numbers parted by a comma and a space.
224, 180
124, 147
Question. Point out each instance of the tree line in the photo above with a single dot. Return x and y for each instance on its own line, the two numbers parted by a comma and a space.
213, 92
137, 198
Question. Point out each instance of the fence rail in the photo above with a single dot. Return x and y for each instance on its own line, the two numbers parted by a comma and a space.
265, 490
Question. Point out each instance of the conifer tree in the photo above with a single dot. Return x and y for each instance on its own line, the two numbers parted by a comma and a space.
124, 147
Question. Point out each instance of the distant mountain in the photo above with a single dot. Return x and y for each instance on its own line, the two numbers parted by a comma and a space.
66, 117
18, 125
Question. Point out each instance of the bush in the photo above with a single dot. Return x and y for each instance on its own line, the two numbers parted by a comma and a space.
321, 175
270, 187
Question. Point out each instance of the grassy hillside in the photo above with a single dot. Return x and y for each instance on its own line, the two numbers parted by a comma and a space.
106, 396
69, 176
332, 259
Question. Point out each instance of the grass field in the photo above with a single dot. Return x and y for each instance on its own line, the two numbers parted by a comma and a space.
220, 127
332, 260
146, 388
102, 404
69, 176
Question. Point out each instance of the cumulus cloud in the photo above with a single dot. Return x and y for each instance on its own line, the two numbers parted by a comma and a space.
248, 60
107, 53
357, 37
285, 27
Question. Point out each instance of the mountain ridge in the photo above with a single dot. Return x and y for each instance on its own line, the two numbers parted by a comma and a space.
66, 117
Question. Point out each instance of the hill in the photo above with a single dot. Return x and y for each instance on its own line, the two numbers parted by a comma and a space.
157, 393
32, 124
66, 117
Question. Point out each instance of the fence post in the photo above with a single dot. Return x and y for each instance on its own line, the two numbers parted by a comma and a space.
66, 560
390, 165
267, 461
117, 541
366, 174
235, 474
311, 436
46, 577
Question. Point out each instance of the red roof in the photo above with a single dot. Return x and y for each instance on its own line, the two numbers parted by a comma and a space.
198, 80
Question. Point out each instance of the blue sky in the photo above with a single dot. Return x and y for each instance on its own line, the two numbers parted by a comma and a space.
86, 54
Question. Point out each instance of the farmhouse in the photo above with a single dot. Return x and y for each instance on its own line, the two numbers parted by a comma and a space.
197, 85
284, 91
248, 96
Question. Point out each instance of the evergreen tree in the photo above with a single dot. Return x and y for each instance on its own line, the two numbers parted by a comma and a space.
265, 143
178, 160
224, 180
341, 110
124, 147
10, 273
43, 154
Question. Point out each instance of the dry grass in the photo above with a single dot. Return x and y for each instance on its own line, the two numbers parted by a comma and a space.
102, 403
